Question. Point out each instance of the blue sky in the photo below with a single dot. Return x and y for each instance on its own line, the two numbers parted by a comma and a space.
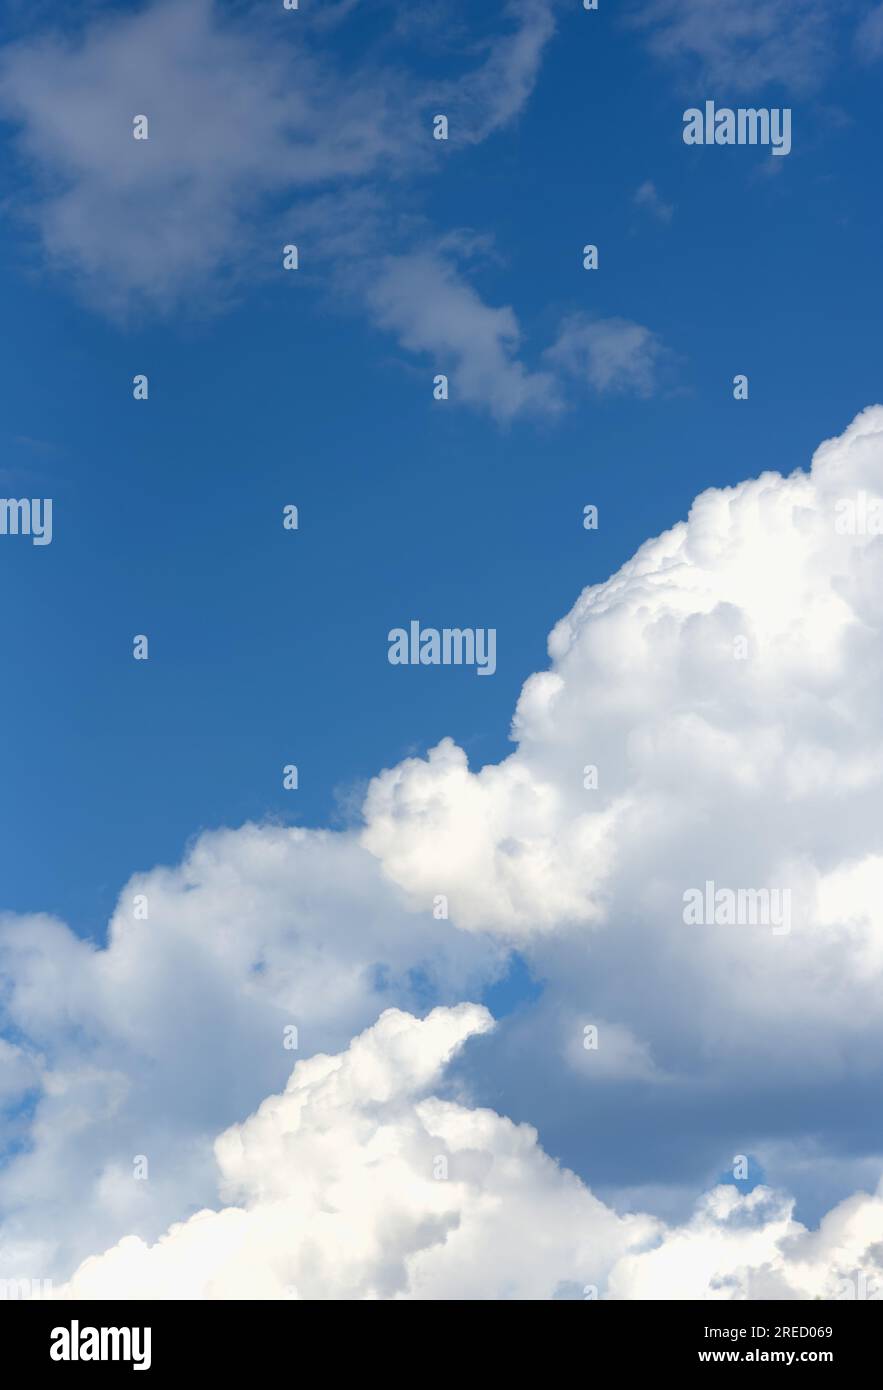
315, 388
269, 647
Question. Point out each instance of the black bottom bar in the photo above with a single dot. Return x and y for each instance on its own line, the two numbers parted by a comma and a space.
254, 1338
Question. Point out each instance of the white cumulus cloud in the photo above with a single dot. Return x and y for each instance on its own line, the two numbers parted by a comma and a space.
725, 685
355, 1182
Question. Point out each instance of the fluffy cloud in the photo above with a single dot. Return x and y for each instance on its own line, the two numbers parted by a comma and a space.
725, 685
500, 843
738, 1247
357, 1183
176, 1027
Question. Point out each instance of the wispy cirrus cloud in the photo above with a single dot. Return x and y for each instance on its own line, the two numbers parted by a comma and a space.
742, 47
258, 136
425, 300
648, 197
613, 356
245, 115
869, 36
